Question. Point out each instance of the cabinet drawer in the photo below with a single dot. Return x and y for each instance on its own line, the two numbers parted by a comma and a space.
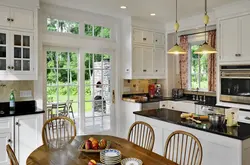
6, 123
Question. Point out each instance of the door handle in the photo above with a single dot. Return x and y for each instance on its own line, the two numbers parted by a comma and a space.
113, 96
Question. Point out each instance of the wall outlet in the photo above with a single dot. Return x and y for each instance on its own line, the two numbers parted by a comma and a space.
27, 93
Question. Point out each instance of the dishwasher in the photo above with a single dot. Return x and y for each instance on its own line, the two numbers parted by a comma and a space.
148, 106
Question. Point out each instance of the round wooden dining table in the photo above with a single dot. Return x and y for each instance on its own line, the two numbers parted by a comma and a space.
69, 154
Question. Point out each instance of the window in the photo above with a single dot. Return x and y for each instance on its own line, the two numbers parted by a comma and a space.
97, 31
198, 69
62, 84
62, 26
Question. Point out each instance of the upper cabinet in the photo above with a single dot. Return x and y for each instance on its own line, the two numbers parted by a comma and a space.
18, 44
148, 55
234, 39
16, 18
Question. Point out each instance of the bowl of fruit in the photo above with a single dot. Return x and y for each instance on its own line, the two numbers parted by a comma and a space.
94, 145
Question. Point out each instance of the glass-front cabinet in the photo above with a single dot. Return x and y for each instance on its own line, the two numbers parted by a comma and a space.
16, 55
22, 53
4, 60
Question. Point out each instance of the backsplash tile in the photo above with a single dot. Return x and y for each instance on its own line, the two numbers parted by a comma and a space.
136, 86
7, 86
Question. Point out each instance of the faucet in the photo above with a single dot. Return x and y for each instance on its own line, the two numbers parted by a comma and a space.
204, 98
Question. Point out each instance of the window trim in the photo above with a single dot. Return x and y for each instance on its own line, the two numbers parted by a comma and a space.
190, 44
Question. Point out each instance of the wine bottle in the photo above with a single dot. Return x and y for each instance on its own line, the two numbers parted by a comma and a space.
12, 102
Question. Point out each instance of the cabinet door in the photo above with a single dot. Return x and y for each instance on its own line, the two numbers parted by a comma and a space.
244, 38
22, 50
229, 39
137, 36
137, 59
148, 37
147, 60
25, 144
4, 52
159, 39
5, 138
23, 19
158, 145
4, 16
159, 61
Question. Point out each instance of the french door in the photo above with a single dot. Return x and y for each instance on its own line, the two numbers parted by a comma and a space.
99, 93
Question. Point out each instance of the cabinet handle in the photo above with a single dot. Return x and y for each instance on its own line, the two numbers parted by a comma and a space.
8, 19
172, 107
144, 39
17, 124
156, 40
163, 105
12, 67
144, 70
9, 67
9, 140
12, 20
237, 55
156, 70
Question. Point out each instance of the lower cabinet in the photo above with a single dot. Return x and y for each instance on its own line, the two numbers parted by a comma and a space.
217, 150
23, 133
27, 135
6, 137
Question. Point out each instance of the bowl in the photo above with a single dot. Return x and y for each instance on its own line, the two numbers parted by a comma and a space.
216, 119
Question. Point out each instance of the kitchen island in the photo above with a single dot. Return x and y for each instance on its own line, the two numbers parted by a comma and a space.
221, 146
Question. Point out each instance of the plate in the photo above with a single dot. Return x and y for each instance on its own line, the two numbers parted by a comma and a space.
131, 161
110, 153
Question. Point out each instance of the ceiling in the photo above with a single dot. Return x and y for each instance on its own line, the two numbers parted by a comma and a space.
164, 9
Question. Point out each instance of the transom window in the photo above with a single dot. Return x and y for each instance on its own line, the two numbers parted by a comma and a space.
198, 69
97, 31
63, 26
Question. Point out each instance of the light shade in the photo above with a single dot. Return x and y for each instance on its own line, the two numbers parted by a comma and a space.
205, 49
176, 49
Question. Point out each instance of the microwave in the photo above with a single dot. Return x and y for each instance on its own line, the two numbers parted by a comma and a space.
235, 84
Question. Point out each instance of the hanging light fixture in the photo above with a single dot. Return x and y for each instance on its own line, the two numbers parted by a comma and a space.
205, 48
176, 49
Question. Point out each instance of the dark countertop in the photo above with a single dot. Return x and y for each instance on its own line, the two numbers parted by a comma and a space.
21, 108
241, 133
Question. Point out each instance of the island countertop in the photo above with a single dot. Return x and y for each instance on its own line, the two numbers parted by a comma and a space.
241, 133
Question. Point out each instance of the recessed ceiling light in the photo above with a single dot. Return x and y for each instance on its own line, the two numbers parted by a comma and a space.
152, 14
123, 7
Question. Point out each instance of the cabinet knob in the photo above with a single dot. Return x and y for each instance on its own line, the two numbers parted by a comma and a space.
17, 124
12, 67
8, 19
156, 40
237, 55
9, 140
172, 107
12, 20
156, 70
163, 105
144, 39
9, 67
144, 70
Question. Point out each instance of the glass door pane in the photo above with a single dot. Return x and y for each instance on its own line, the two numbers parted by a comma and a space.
3, 54
98, 93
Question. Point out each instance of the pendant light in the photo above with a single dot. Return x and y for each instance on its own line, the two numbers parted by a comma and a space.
176, 49
205, 48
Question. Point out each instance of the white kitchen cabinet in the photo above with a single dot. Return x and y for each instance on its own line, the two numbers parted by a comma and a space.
158, 145
6, 137
234, 39
143, 36
137, 60
23, 19
4, 15
183, 106
16, 56
16, 18
148, 53
159, 61
159, 39
28, 135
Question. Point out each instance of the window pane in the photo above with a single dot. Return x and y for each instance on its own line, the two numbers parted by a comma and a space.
73, 77
73, 93
51, 94
62, 76
63, 93
106, 122
51, 59
62, 26
89, 60
204, 63
51, 76
97, 61
195, 67
88, 109
63, 60
97, 31
194, 82
106, 32
2, 38
52, 24
73, 60
88, 30
88, 93
88, 76
204, 81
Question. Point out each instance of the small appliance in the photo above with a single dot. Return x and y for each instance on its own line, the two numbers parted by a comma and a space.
151, 90
177, 93
158, 90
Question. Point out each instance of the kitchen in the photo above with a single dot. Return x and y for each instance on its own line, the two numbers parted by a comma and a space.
110, 64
